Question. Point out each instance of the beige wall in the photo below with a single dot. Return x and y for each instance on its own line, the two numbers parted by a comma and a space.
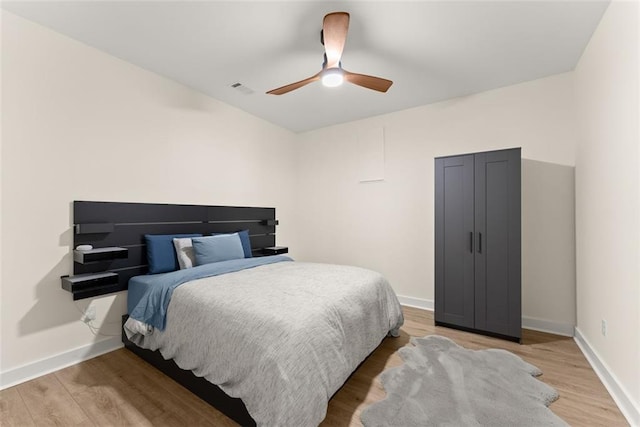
608, 196
79, 124
1, 206
548, 246
388, 225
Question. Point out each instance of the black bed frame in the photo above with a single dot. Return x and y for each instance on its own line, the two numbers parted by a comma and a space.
105, 224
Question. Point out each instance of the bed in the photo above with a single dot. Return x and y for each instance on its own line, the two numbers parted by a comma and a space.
283, 336
266, 340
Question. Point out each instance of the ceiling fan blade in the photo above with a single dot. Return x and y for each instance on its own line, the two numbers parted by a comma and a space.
293, 86
334, 33
370, 82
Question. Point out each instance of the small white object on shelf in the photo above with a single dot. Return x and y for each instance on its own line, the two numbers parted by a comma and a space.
84, 247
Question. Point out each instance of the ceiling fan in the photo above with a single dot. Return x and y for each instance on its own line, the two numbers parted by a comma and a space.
333, 36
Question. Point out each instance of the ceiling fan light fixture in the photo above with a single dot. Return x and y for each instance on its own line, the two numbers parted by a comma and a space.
332, 77
333, 35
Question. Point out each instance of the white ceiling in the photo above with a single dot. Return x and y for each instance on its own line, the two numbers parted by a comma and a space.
432, 50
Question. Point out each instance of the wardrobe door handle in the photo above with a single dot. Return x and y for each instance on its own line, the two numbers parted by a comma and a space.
471, 241
479, 243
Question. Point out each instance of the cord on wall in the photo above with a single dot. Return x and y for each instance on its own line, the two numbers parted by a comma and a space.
89, 315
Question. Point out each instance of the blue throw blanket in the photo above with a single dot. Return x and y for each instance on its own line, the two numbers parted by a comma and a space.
151, 306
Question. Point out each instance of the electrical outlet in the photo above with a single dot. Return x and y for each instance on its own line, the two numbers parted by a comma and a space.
89, 314
604, 328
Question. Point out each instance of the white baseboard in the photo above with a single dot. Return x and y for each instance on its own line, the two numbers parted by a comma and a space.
425, 304
550, 326
620, 395
558, 328
42, 367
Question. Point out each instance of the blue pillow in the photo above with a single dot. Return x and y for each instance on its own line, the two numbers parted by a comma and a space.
244, 239
161, 254
223, 247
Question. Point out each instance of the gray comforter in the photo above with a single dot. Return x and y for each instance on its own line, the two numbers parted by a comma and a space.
282, 337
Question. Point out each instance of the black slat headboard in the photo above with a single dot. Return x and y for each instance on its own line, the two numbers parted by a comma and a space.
125, 224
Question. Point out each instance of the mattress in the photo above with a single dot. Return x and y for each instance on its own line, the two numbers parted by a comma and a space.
283, 336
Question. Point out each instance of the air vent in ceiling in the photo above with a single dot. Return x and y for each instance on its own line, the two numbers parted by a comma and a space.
242, 88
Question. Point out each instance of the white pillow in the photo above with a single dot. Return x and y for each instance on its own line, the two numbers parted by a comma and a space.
184, 252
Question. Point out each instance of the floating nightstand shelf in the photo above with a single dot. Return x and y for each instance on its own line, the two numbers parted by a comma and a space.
92, 284
96, 228
275, 250
100, 254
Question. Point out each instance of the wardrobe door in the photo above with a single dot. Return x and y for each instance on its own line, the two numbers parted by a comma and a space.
454, 294
497, 258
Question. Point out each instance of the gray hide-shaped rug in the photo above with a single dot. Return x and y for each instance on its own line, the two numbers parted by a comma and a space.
443, 384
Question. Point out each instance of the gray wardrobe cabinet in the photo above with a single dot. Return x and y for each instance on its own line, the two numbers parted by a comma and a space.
477, 243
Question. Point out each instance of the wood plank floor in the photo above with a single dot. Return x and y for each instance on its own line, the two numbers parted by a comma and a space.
118, 388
